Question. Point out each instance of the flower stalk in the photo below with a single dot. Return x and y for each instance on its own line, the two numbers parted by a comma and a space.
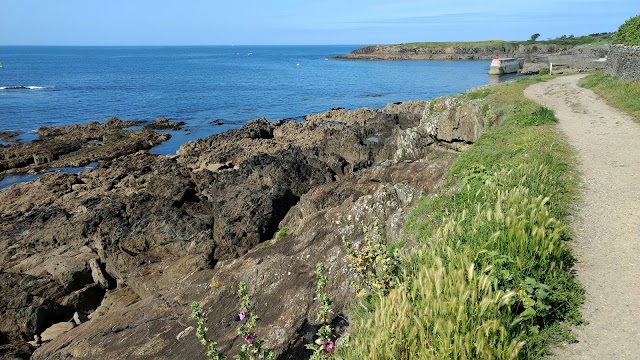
324, 346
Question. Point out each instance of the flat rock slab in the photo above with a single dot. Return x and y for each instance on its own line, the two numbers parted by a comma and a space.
56, 330
607, 226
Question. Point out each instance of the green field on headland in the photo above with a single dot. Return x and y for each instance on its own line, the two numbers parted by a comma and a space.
594, 45
490, 278
593, 39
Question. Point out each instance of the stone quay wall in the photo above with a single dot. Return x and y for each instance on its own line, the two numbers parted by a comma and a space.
624, 62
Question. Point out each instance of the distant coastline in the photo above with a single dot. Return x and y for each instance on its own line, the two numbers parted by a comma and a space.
410, 52
594, 45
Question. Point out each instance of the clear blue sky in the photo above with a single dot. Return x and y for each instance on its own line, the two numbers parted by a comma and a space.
211, 22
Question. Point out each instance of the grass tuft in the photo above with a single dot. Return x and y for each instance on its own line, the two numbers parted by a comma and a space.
282, 233
540, 116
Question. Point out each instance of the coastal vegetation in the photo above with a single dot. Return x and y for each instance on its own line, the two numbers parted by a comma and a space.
629, 33
619, 93
377, 264
282, 233
323, 346
544, 71
491, 274
593, 45
252, 346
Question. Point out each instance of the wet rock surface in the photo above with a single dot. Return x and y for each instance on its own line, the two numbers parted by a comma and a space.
76, 145
9, 136
165, 124
129, 245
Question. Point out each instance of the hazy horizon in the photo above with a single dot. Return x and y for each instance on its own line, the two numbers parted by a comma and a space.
298, 22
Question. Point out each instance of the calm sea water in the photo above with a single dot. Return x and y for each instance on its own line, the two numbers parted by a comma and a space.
199, 85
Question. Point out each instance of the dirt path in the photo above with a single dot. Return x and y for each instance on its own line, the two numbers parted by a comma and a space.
607, 224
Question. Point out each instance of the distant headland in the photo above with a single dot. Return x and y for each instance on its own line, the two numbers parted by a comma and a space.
593, 45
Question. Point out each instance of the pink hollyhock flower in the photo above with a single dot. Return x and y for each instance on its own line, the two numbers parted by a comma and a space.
249, 338
241, 315
328, 345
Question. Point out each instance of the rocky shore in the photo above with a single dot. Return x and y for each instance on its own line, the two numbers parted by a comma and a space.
104, 263
77, 145
8, 136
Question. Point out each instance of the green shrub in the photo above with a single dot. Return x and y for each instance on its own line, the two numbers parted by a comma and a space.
544, 71
377, 264
629, 33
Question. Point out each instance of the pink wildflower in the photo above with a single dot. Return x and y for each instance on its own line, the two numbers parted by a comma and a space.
249, 338
328, 345
241, 315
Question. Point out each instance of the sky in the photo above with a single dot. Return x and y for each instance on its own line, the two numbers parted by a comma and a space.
300, 22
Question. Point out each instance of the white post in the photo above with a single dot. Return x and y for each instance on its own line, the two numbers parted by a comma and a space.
550, 68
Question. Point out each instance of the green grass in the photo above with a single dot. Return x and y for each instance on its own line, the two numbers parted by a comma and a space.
282, 233
490, 278
621, 94
488, 44
478, 94
593, 39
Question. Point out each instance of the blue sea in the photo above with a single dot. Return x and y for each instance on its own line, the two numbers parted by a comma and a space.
208, 85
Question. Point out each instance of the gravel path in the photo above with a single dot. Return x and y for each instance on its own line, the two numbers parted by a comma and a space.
607, 223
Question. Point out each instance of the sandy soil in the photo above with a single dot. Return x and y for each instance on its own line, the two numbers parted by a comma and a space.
607, 223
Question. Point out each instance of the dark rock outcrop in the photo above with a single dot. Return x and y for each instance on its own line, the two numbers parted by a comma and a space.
30, 304
165, 124
16, 351
9, 136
